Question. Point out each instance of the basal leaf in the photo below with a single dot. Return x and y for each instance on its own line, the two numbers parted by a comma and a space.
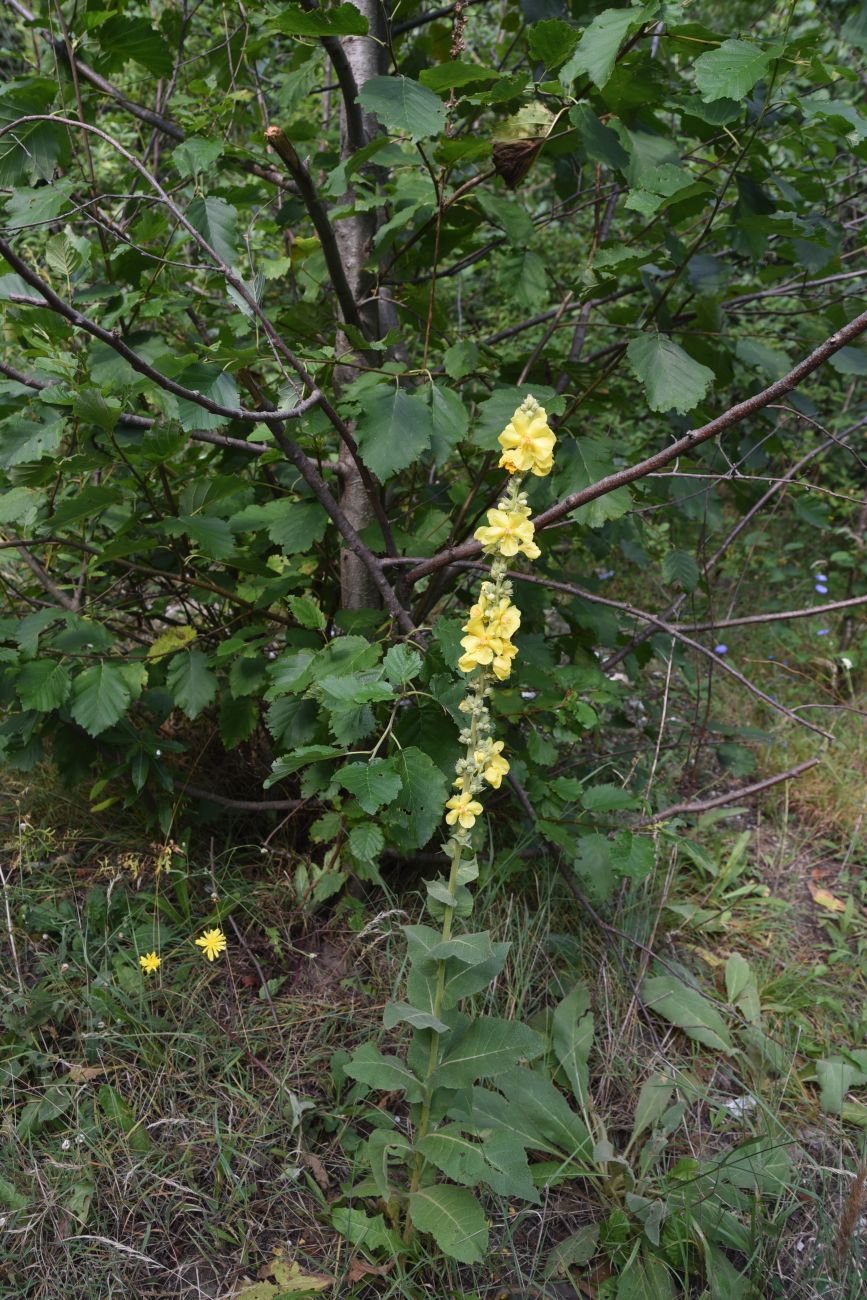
487, 1048
455, 1220
685, 1007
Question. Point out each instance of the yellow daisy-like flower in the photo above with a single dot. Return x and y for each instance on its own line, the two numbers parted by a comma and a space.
212, 943
495, 766
508, 531
527, 442
149, 963
463, 809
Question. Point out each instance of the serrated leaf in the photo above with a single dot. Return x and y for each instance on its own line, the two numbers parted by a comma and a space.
238, 719
685, 1007
423, 793
211, 382
366, 841
680, 568
449, 419
596, 52
393, 430
100, 696
487, 1048
307, 612
301, 757
22, 441
207, 533
19, 505
606, 798
217, 221
341, 20
191, 682
401, 664
373, 784
455, 1220
196, 154
403, 106
170, 641
28, 206
672, 380
731, 70
455, 73
134, 38
587, 461
43, 685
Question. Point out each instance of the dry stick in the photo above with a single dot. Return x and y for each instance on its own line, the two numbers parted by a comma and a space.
571, 589
240, 805
680, 447
734, 796
89, 74
348, 306
285, 150
77, 318
290, 449
47, 582
776, 617
732, 536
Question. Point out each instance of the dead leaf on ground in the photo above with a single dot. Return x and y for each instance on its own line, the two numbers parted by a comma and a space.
824, 898
317, 1169
359, 1269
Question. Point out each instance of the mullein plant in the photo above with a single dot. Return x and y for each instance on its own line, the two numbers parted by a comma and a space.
459, 1130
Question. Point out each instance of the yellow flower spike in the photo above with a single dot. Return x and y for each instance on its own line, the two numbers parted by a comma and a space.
527, 441
508, 532
150, 963
212, 943
463, 809
502, 663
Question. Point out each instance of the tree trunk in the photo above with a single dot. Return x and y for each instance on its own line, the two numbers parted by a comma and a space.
355, 235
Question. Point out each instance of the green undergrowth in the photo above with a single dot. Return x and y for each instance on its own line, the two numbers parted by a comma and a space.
195, 1134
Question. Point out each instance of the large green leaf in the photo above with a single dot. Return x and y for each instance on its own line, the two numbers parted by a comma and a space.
731, 71
584, 462
394, 430
423, 793
384, 1073
217, 221
572, 1037
342, 20
500, 1161
191, 682
43, 685
487, 1048
596, 52
100, 696
134, 38
455, 1220
672, 380
403, 106
373, 784
685, 1007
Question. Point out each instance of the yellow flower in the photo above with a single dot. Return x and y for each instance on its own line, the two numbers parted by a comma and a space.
502, 663
508, 531
494, 766
504, 619
212, 943
480, 646
464, 809
149, 963
527, 442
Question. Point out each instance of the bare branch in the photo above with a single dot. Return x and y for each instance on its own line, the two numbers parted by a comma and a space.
680, 447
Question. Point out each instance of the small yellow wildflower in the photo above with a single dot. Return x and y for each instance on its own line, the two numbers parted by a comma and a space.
494, 766
508, 531
212, 943
463, 809
527, 442
149, 963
